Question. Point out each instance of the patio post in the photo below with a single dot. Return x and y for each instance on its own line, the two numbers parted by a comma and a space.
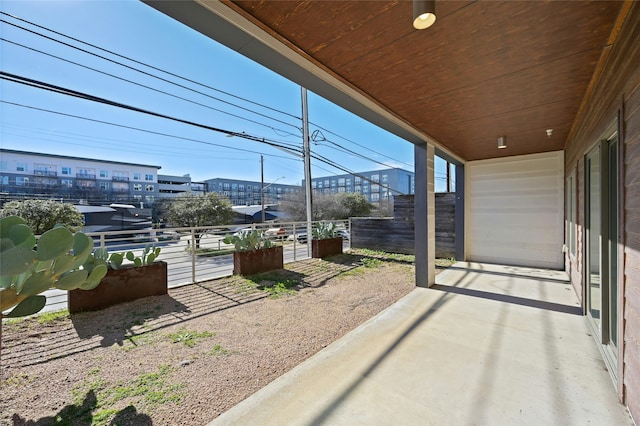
425, 242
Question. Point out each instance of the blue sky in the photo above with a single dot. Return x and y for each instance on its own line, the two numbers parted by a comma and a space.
223, 92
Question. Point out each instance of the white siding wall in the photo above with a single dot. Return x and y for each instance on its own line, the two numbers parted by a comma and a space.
515, 210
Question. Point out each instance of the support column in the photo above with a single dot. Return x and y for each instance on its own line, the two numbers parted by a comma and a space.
459, 217
425, 230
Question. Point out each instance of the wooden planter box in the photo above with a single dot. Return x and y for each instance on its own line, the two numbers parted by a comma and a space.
257, 261
119, 286
326, 247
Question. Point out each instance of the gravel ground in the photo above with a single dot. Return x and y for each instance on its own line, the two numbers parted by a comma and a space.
185, 358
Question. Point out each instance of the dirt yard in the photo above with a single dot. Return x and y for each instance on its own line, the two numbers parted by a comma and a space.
185, 358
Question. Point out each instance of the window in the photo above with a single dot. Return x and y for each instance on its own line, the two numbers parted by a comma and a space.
333, 183
326, 182
319, 185
137, 197
341, 189
375, 197
4, 180
341, 181
148, 177
375, 188
358, 180
241, 188
149, 198
375, 178
234, 186
66, 171
385, 178
226, 186
20, 181
66, 183
104, 173
314, 184
358, 188
3, 165
103, 185
137, 187
149, 188
136, 176
21, 167
348, 181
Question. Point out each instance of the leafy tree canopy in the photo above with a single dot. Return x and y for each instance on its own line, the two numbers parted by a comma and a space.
42, 215
200, 210
327, 206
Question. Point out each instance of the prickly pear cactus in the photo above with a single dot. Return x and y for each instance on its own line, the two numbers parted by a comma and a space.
29, 267
248, 240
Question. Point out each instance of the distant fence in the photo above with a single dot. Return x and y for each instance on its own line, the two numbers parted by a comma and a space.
397, 234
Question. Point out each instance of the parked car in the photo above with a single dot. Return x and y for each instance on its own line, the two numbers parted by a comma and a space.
302, 238
343, 233
275, 233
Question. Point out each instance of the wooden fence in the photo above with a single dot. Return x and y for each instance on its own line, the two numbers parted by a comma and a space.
397, 234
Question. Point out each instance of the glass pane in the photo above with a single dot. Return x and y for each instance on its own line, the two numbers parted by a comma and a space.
613, 242
594, 267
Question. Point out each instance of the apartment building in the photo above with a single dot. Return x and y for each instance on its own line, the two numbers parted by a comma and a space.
246, 193
179, 186
26, 174
375, 185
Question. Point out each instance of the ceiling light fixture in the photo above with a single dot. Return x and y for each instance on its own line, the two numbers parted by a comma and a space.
549, 132
502, 142
424, 13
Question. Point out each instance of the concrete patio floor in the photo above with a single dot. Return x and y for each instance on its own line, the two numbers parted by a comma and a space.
488, 345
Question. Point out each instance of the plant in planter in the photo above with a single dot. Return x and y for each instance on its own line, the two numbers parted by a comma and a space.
326, 241
254, 253
143, 277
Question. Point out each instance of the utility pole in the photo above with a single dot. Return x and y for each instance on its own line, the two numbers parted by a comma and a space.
262, 185
306, 152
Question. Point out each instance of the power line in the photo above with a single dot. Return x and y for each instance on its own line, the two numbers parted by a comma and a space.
151, 66
135, 128
144, 86
147, 73
69, 92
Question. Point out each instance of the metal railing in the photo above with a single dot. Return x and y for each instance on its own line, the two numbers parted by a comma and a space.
200, 254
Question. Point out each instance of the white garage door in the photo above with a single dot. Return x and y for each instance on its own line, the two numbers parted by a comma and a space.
515, 210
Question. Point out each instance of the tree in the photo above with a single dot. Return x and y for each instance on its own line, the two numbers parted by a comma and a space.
43, 215
200, 211
355, 204
327, 206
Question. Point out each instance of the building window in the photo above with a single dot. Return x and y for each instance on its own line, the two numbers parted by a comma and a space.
137, 197
375, 197
66, 171
326, 182
137, 187
20, 181
136, 176
3, 166
104, 173
333, 183
148, 177
66, 183
375, 188
226, 186
375, 178
149, 198
103, 185
319, 185
4, 180
365, 188
385, 178
348, 182
341, 181
341, 189
149, 188
358, 180
358, 188
234, 186
241, 188
21, 167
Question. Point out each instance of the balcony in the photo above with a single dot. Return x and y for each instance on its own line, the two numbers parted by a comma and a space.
85, 176
120, 178
48, 173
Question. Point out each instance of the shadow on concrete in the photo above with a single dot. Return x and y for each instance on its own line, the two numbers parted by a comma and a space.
539, 304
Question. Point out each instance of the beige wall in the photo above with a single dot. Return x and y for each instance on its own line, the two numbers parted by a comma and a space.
514, 210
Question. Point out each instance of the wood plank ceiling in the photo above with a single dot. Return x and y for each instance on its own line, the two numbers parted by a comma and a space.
485, 69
